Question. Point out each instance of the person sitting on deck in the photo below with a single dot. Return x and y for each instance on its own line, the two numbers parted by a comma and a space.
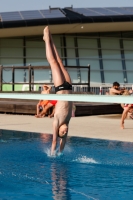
127, 110
50, 104
40, 108
46, 89
115, 89
42, 103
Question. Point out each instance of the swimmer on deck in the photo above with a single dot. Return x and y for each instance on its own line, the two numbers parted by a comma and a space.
62, 83
128, 108
50, 104
42, 103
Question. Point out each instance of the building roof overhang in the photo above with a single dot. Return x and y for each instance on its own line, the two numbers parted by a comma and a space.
67, 20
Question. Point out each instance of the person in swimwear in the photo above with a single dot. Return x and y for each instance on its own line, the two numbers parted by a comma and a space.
128, 108
50, 104
42, 103
40, 107
114, 90
62, 83
46, 89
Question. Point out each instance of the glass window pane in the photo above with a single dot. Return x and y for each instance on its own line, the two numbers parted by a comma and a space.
37, 62
73, 74
71, 62
129, 67
87, 43
11, 61
71, 56
57, 40
128, 54
21, 75
112, 65
7, 76
88, 53
70, 42
111, 77
32, 43
110, 43
35, 53
128, 44
84, 75
11, 43
42, 75
113, 54
130, 77
94, 64
11, 52
95, 77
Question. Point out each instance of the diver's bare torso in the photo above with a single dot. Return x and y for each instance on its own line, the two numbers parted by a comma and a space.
63, 109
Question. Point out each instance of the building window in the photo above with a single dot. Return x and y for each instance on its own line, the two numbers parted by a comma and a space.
128, 50
112, 63
88, 55
11, 52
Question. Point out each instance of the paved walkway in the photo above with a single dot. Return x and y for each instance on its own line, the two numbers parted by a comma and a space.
102, 126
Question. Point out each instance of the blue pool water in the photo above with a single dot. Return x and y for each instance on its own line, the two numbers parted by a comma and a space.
89, 169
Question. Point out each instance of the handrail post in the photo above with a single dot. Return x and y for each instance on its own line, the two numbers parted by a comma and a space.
30, 78
88, 78
1, 77
13, 78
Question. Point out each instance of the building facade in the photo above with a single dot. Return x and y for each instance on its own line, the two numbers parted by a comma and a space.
107, 46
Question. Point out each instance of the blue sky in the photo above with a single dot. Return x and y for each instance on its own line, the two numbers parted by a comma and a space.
20, 5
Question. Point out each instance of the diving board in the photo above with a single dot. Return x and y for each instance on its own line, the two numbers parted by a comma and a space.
71, 97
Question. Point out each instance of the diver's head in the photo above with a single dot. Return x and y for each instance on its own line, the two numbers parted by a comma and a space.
63, 130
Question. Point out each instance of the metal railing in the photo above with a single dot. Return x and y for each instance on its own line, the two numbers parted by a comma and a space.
30, 85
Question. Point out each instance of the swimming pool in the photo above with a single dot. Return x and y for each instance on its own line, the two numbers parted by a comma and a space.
89, 169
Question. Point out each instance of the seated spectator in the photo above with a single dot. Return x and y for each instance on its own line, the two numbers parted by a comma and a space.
42, 103
40, 107
128, 108
115, 89
50, 104
131, 92
46, 89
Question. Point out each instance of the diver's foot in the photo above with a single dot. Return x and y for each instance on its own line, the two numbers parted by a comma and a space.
46, 33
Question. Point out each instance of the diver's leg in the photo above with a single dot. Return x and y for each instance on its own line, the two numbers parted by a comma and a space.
57, 74
64, 71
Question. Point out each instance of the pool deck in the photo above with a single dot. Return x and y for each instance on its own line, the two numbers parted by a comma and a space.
100, 126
